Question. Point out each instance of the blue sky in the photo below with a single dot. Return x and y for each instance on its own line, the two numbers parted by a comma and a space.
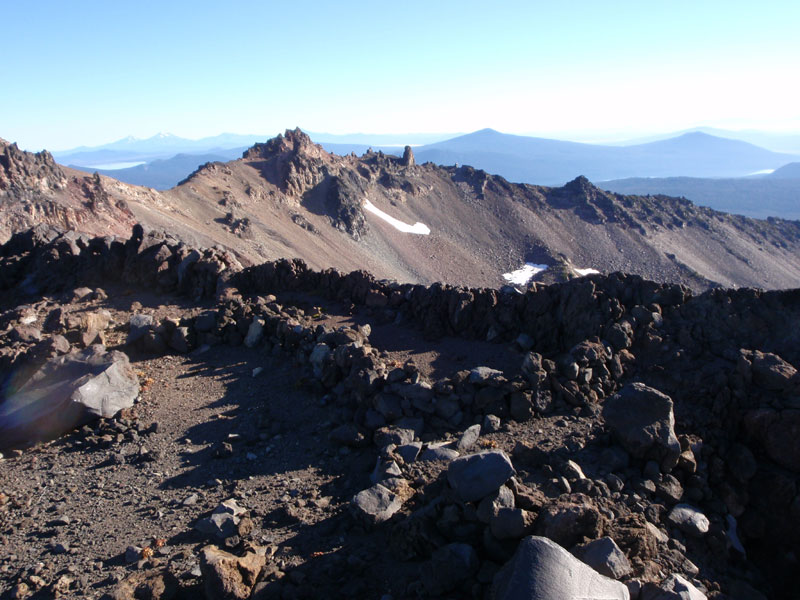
85, 72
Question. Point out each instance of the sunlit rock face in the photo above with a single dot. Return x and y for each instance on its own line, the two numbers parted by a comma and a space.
65, 393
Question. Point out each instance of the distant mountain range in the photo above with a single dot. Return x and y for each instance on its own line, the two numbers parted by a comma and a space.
758, 197
550, 162
517, 158
777, 142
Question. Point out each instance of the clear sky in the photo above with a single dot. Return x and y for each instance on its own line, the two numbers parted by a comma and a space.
84, 72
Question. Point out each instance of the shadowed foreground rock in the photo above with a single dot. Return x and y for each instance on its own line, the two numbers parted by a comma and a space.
641, 418
543, 570
67, 392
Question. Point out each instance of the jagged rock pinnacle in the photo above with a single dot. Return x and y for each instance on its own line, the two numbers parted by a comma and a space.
408, 157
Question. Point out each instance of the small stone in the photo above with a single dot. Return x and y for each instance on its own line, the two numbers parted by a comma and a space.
674, 587
61, 548
228, 576
491, 424
478, 475
438, 452
689, 520
511, 523
468, 438
376, 504
409, 452
605, 557
488, 507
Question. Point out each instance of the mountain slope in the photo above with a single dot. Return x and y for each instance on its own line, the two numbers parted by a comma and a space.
289, 197
35, 189
790, 171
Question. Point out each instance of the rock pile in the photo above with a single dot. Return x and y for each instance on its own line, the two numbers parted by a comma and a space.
690, 404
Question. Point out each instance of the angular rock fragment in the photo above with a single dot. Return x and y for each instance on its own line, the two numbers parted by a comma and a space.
376, 504
674, 587
229, 577
641, 418
478, 475
689, 520
605, 557
542, 570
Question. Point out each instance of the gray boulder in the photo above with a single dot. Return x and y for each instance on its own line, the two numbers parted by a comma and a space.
65, 393
224, 521
376, 504
605, 557
138, 325
478, 475
542, 570
409, 452
438, 452
689, 520
511, 523
674, 587
641, 418
468, 438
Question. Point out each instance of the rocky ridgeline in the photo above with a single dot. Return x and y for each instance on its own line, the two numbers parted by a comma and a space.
35, 189
694, 399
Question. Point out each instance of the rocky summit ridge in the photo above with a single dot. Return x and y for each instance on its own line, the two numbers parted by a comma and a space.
300, 433
288, 197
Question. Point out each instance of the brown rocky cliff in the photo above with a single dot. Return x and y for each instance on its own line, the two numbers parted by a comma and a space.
35, 190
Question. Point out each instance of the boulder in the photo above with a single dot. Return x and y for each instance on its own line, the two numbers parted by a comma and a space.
485, 376
409, 452
605, 557
468, 438
782, 440
689, 520
255, 333
138, 325
542, 570
155, 584
223, 522
491, 504
376, 504
674, 587
641, 418
569, 522
227, 576
478, 475
67, 392
438, 452
511, 523
771, 372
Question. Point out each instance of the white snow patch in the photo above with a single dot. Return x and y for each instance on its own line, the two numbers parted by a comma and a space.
585, 272
418, 228
524, 274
